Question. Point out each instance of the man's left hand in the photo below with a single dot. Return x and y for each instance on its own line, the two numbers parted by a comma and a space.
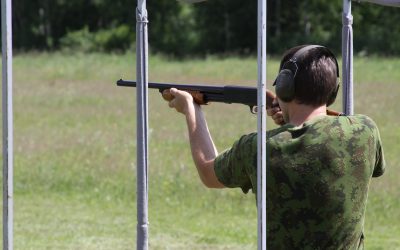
182, 101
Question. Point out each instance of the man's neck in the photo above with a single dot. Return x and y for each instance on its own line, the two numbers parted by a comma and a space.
299, 113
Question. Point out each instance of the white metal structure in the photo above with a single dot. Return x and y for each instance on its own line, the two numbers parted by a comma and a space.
347, 58
262, 125
8, 160
395, 3
142, 124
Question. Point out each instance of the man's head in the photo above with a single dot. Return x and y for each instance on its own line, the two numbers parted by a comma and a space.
308, 75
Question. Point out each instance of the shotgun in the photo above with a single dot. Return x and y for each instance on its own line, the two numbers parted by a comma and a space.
203, 94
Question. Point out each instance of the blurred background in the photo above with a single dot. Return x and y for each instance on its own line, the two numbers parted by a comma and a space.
218, 26
75, 130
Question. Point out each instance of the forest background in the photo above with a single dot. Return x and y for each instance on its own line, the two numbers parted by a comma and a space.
214, 27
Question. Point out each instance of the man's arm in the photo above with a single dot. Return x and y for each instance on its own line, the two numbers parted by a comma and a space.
202, 146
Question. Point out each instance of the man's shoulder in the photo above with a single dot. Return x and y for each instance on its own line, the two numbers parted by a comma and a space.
365, 120
351, 122
359, 124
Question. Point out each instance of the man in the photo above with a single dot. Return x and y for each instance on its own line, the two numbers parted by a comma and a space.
319, 166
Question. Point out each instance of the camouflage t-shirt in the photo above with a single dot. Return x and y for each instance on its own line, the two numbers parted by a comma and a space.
318, 176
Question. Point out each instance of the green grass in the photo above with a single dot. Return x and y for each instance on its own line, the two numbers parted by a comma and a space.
75, 185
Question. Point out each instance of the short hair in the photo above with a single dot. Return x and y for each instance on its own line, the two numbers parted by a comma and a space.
316, 81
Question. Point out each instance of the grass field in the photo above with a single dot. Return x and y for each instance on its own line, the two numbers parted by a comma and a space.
75, 185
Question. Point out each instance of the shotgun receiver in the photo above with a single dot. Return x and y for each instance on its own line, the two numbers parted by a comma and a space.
203, 94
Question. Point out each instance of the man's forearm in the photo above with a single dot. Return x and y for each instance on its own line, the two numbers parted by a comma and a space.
202, 146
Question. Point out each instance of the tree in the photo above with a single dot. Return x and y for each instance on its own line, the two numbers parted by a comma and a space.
216, 26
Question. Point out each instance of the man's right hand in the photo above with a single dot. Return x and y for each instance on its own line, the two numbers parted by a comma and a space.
276, 113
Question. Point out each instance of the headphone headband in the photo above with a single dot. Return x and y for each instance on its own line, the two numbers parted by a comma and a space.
301, 52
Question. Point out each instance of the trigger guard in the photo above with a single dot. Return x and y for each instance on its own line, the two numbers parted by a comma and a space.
254, 109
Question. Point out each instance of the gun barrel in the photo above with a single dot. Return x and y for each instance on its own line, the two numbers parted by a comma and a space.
164, 86
211, 93
124, 83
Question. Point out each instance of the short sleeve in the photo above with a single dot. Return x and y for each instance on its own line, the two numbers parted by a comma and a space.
233, 166
380, 165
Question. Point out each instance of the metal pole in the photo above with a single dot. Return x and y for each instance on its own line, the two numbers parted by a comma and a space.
261, 126
347, 57
142, 124
8, 161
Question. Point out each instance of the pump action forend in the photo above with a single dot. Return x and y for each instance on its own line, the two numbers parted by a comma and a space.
203, 94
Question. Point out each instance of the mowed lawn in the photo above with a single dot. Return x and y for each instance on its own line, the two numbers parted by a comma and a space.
75, 163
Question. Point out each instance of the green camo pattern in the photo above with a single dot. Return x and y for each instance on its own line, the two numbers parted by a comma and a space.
318, 176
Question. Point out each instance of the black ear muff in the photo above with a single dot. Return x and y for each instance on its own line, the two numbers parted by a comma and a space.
284, 85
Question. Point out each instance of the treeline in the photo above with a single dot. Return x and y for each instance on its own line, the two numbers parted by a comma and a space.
216, 26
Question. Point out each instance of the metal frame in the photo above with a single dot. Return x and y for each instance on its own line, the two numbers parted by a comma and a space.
347, 58
142, 124
7, 94
392, 3
262, 125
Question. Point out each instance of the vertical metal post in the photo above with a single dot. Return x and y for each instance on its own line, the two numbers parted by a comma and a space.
142, 124
261, 127
8, 161
347, 57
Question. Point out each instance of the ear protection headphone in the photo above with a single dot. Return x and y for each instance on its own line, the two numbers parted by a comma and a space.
285, 81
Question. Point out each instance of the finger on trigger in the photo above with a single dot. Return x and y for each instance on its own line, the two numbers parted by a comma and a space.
275, 103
